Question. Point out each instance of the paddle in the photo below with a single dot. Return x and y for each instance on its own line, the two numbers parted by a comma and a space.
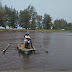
44, 48
18, 43
34, 48
6, 48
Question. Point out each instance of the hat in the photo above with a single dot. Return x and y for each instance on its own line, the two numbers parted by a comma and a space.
27, 33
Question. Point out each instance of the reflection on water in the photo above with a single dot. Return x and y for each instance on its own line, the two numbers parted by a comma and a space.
58, 44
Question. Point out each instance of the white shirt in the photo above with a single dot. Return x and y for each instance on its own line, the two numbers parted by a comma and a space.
27, 36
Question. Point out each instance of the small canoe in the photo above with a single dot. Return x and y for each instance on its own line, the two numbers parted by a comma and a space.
24, 50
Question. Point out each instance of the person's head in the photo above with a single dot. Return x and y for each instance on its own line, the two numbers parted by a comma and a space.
27, 33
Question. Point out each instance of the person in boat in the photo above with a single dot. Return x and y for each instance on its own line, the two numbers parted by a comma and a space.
27, 41
26, 36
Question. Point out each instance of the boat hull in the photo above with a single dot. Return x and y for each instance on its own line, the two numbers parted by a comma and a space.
25, 51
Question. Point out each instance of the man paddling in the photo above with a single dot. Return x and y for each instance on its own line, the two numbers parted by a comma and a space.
27, 41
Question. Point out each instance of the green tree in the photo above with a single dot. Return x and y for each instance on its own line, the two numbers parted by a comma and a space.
33, 21
69, 24
33, 14
24, 18
59, 24
39, 21
46, 21
12, 17
0, 5
28, 18
3, 16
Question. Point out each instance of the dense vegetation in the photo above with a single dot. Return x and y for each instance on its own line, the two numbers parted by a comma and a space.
29, 18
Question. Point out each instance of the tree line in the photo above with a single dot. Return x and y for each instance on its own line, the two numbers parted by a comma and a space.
29, 18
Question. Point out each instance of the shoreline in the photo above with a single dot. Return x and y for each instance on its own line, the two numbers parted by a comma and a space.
36, 70
42, 30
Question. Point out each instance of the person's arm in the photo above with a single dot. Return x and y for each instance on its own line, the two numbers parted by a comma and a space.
23, 46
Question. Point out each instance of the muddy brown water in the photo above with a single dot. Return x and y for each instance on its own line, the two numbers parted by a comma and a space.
58, 44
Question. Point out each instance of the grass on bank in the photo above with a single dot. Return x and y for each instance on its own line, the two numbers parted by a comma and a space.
37, 30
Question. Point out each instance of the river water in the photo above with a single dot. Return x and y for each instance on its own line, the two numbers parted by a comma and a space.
58, 44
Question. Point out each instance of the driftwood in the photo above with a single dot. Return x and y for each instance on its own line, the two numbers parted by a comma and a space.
6, 48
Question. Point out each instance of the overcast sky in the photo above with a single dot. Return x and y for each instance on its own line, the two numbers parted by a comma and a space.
56, 8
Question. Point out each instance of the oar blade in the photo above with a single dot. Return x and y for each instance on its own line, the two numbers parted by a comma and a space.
44, 48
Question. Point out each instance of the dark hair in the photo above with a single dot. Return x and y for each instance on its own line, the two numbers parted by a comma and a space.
24, 36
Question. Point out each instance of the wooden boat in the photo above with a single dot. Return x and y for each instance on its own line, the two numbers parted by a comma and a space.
24, 50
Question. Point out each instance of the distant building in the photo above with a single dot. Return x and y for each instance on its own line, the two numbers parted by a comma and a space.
19, 27
7, 27
62, 29
2, 27
51, 27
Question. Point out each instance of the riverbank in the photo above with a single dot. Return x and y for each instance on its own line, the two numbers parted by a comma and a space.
38, 30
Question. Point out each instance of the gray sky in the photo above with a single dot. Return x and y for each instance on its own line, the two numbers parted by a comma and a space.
56, 8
